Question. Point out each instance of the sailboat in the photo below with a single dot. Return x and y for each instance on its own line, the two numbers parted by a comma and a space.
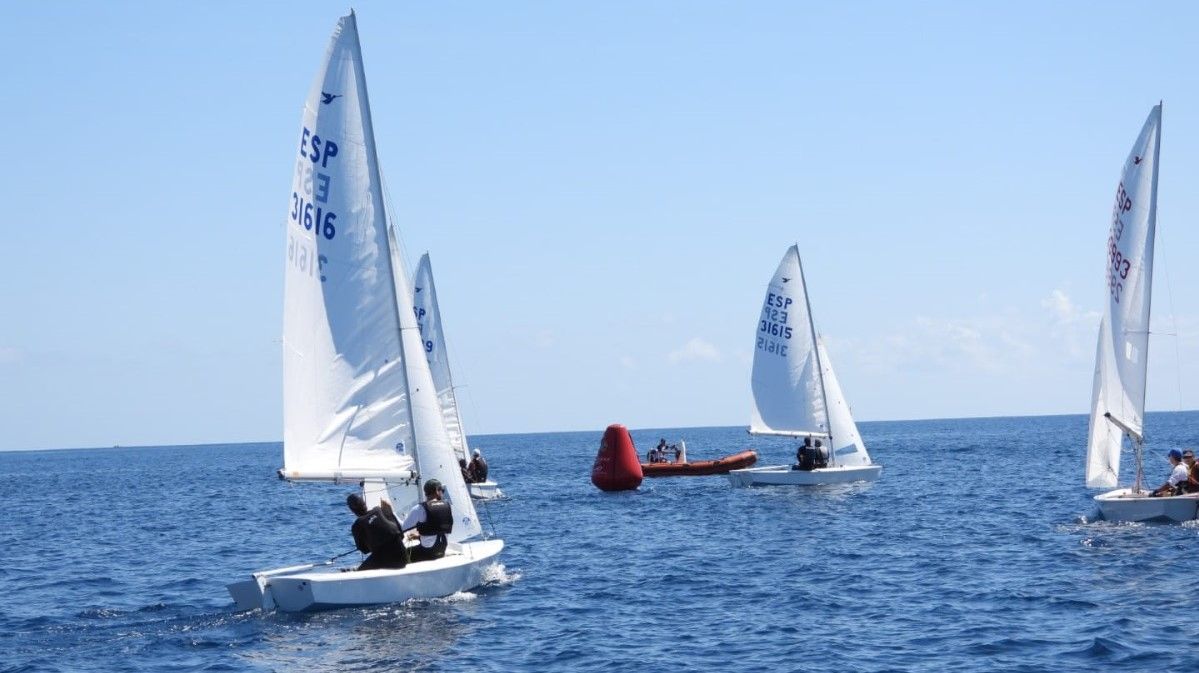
796, 393
359, 405
428, 318
1122, 355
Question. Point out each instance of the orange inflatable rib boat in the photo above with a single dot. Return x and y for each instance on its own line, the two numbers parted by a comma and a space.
700, 467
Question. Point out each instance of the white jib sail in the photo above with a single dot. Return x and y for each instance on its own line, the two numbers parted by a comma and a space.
847, 447
428, 317
434, 454
787, 389
344, 409
1118, 397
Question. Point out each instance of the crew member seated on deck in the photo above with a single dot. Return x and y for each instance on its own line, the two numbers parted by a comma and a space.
466, 476
376, 532
810, 456
430, 521
478, 468
803, 455
1192, 483
1178, 476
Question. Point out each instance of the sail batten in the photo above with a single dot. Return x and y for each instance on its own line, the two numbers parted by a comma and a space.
1122, 353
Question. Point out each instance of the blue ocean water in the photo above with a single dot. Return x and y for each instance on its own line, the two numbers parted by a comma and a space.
976, 551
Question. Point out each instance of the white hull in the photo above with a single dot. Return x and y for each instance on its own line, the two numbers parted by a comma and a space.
783, 475
485, 490
315, 587
1122, 505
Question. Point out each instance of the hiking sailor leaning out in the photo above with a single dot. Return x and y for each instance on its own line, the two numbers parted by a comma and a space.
376, 532
431, 521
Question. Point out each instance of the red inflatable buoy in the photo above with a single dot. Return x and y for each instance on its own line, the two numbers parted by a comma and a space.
617, 467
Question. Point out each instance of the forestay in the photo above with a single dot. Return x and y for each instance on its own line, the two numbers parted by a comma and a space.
428, 318
1123, 349
787, 389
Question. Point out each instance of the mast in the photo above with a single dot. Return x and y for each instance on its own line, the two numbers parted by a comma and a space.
1139, 441
368, 130
828, 425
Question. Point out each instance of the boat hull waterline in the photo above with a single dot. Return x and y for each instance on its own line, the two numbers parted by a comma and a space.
314, 587
1122, 505
784, 475
698, 468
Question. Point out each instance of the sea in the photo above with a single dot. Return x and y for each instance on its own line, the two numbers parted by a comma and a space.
977, 550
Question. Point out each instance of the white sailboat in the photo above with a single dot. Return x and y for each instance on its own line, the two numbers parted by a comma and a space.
428, 318
359, 405
796, 393
1122, 355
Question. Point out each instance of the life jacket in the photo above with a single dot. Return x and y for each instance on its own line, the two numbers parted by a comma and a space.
439, 519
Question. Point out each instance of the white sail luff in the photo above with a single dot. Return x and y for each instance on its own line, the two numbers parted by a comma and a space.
1121, 358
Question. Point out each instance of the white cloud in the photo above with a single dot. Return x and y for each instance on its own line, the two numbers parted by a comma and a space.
695, 350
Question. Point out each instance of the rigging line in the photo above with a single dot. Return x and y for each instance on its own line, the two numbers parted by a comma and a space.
1173, 315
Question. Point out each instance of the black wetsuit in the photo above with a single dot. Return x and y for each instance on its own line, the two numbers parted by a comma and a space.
478, 469
377, 534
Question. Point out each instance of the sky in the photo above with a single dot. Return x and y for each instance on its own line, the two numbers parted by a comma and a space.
605, 189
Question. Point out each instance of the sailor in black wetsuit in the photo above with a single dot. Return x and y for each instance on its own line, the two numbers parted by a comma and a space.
478, 468
431, 521
376, 532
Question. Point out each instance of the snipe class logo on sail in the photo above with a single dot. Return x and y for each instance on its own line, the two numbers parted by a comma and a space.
327, 98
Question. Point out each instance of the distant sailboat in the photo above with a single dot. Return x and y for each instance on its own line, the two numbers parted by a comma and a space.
1122, 354
796, 393
359, 405
428, 318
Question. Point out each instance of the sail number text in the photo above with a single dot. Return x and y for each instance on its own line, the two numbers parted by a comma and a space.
774, 324
420, 325
1118, 265
309, 202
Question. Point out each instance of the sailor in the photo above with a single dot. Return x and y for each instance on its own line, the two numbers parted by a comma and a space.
803, 455
820, 454
1178, 475
466, 475
659, 455
478, 467
1192, 482
430, 521
376, 532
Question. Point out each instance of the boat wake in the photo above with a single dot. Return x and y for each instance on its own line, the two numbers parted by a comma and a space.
496, 575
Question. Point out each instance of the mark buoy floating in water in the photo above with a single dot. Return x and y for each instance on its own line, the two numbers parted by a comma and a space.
617, 467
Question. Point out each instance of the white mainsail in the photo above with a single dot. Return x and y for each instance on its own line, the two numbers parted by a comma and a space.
359, 400
788, 393
1118, 397
428, 318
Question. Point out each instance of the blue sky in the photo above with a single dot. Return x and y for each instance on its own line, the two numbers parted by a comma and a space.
605, 189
